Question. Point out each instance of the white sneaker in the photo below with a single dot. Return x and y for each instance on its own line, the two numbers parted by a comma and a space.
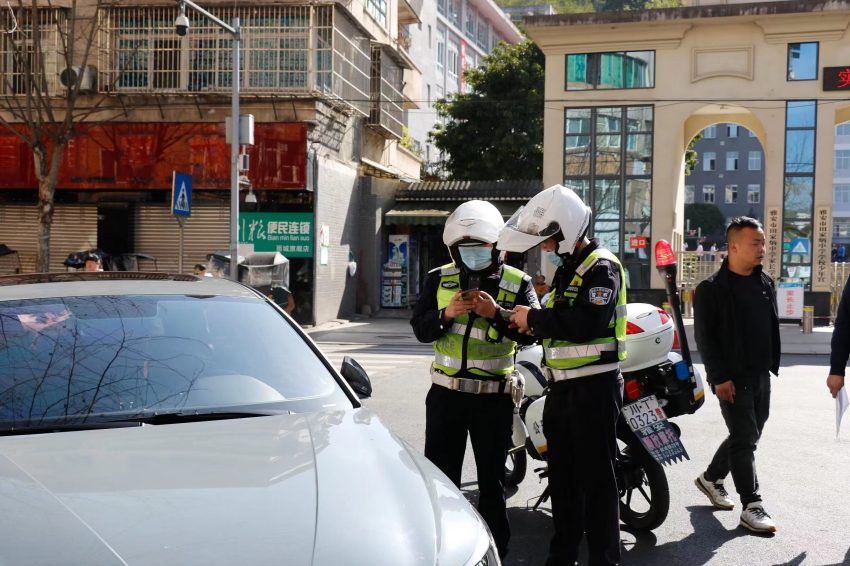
756, 519
715, 492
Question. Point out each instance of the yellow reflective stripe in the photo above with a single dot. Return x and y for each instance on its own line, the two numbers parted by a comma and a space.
476, 333
455, 363
509, 286
580, 351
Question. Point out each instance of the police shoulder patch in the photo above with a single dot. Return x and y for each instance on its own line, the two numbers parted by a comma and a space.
449, 284
600, 295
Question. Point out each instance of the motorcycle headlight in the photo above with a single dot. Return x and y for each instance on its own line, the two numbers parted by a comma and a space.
485, 549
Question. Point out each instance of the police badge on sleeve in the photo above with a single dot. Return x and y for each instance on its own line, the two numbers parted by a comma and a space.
600, 295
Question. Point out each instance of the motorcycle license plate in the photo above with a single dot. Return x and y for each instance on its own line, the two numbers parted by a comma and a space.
649, 423
643, 413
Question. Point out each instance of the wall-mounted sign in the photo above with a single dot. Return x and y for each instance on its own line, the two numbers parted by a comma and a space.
772, 237
290, 233
836, 78
823, 215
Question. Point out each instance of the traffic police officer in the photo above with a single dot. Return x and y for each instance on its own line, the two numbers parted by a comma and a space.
474, 385
583, 328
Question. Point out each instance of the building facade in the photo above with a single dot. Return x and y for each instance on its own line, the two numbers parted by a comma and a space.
627, 91
729, 174
841, 188
327, 84
453, 35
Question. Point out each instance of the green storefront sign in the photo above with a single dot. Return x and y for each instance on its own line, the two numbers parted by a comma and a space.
290, 233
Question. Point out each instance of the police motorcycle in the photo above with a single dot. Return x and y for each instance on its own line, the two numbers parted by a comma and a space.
659, 384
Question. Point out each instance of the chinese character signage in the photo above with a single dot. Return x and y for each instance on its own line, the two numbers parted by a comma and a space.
290, 233
822, 249
789, 299
836, 78
772, 237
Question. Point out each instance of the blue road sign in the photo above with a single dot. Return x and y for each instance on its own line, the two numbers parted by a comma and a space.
800, 246
181, 194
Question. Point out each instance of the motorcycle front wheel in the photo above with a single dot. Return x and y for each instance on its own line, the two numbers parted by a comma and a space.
644, 493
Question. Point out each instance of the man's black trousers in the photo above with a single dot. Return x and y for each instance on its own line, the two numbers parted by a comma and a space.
488, 419
580, 424
745, 420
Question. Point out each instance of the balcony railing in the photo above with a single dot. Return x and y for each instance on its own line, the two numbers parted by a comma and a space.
286, 49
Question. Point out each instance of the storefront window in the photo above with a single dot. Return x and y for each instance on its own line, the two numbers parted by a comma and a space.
609, 150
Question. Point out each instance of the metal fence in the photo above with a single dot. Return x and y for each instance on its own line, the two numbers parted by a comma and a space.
693, 268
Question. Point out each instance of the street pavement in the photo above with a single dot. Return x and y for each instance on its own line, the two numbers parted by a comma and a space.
802, 467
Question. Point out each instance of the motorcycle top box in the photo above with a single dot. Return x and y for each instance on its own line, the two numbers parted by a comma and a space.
649, 336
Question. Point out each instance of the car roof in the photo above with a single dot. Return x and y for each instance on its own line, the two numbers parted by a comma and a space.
81, 284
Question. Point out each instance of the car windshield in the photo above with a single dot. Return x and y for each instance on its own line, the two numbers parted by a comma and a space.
104, 358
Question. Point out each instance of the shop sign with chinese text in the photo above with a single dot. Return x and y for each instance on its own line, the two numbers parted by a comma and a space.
290, 233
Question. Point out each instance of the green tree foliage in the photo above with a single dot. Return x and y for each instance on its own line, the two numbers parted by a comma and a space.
691, 156
496, 130
706, 217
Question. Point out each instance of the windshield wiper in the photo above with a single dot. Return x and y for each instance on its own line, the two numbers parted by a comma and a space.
193, 416
67, 427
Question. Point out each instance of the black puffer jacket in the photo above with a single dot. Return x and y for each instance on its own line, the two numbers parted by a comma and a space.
716, 327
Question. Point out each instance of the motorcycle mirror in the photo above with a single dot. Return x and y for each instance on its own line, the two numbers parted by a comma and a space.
664, 254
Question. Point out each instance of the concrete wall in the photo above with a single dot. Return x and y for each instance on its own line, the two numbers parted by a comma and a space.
376, 197
337, 207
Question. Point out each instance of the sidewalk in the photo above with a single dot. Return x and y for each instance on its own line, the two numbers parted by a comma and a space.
394, 327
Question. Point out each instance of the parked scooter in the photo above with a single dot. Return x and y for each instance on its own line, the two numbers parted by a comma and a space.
658, 384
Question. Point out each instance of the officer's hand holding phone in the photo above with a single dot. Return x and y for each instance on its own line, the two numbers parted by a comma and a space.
461, 303
485, 305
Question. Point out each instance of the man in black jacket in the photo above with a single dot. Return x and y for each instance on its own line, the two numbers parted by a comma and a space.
840, 347
737, 332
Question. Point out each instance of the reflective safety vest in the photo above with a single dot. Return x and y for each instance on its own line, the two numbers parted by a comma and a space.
488, 353
611, 349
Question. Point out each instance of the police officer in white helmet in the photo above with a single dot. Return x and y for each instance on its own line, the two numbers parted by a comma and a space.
583, 328
463, 310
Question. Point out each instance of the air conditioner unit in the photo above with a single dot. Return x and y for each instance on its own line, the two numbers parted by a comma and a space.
88, 83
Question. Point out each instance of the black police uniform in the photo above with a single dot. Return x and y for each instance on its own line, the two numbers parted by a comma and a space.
580, 421
487, 418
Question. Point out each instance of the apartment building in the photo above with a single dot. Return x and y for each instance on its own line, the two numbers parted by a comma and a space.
327, 83
453, 35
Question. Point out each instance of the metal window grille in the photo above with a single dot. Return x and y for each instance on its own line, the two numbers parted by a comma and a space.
21, 69
386, 109
295, 49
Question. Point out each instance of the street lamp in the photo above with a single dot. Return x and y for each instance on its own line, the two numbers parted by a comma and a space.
181, 25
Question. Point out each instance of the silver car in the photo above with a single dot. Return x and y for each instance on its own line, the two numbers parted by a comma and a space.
165, 419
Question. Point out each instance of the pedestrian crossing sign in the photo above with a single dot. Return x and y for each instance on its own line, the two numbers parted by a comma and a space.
800, 246
181, 194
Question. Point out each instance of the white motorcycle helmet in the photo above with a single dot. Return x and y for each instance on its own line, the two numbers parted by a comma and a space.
473, 223
553, 210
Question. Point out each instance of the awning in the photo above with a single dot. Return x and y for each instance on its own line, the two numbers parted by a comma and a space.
435, 213
375, 169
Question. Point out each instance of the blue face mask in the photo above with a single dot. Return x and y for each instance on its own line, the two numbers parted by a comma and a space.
554, 259
476, 258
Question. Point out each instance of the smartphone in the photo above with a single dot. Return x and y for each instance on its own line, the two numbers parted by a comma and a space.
469, 294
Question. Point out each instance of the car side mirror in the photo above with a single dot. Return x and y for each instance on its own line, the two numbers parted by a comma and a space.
356, 377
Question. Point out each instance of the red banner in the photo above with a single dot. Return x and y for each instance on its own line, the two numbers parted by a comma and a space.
142, 156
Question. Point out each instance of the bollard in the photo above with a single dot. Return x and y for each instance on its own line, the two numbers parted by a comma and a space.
667, 308
808, 319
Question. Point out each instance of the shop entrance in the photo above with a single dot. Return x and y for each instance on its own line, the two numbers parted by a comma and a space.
116, 228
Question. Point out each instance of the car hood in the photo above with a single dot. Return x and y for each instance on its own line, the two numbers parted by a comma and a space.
326, 488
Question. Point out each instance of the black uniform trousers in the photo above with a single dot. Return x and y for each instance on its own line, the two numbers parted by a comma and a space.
488, 419
580, 425
745, 419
